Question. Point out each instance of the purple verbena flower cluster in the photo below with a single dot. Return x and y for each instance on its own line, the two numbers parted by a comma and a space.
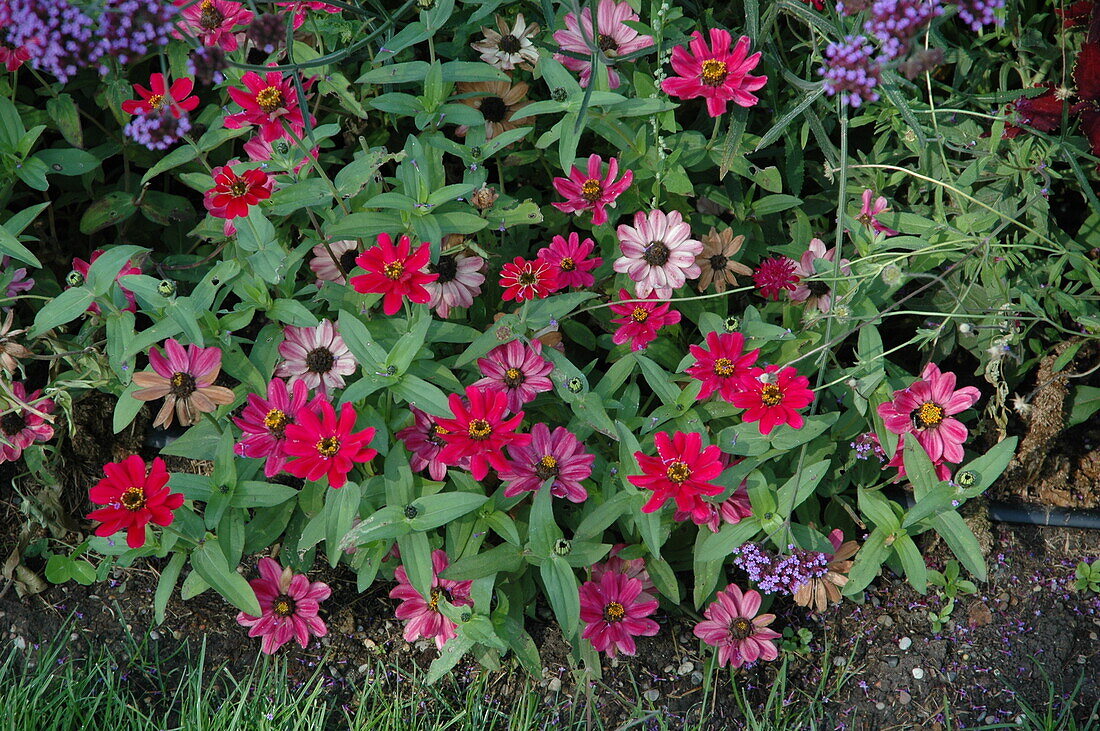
978, 13
895, 22
780, 574
206, 65
851, 71
157, 130
867, 444
132, 28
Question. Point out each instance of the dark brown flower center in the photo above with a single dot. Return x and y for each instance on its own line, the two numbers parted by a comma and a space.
13, 422
591, 190
614, 612
607, 44
817, 288
928, 415
656, 254
741, 628
639, 315
514, 378
479, 429
770, 394
718, 262
714, 72
509, 44
133, 499
678, 472
866, 219
327, 447
493, 109
282, 606
547, 467
183, 384
528, 279
567, 264
347, 259
269, 99
320, 360
209, 16
238, 188
447, 268
276, 421
394, 270
434, 435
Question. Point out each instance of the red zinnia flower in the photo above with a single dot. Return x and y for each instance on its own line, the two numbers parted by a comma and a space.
681, 471
133, 499
720, 368
270, 100
12, 57
569, 257
233, 194
324, 445
771, 396
422, 615
479, 431
176, 97
395, 272
715, 72
641, 320
592, 192
264, 422
82, 267
774, 275
527, 280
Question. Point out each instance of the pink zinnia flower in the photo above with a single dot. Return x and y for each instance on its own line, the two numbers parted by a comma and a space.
26, 422
633, 568
641, 320
322, 444
558, 455
943, 472
715, 72
734, 626
421, 615
731, 511
868, 215
614, 615
184, 378
459, 281
396, 272
517, 370
720, 368
658, 252
323, 266
815, 292
12, 57
479, 431
289, 604
133, 499
774, 275
926, 408
81, 267
424, 443
19, 281
316, 355
233, 195
264, 423
615, 38
269, 102
176, 97
301, 8
569, 258
592, 192
527, 280
213, 22
771, 396
682, 470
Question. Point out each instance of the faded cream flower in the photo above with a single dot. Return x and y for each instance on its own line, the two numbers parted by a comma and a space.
497, 101
716, 262
11, 351
509, 49
819, 592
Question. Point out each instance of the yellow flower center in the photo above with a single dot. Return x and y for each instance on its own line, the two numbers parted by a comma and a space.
327, 447
770, 395
714, 72
591, 190
269, 99
568, 265
133, 498
155, 101
283, 606
276, 420
394, 270
639, 315
723, 367
238, 187
479, 429
513, 378
614, 612
929, 415
678, 472
740, 628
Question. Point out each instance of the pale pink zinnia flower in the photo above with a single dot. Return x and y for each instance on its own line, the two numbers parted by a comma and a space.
26, 420
184, 378
815, 292
316, 355
592, 191
658, 253
615, 38
323, 266
421, 615
872, 207
925, 409
614, 615
289, 603
556, 455
715, 72
733, 626
570, 257
517, 370
459, 281
264, 422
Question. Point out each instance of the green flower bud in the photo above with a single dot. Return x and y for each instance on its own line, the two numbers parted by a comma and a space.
75, 279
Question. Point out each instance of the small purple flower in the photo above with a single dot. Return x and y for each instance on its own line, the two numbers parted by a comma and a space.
895, 22
159, 129
979, 13
129, 29
851, 71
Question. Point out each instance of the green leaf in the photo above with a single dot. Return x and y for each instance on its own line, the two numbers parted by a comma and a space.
385, 524
595, 522
664, 579
795, 491
343, 507
960, 539
868, 562
986, 469
12, 247
198, 442
112, 209
878, 508
175, 158
104, 270
306, 194
912, 561
717, 546
658, 379
544, 530
166, 584
421, 394
416, 557
449, 656
68, 162
62, 110
503, 558
770, 204
65, 307
209, 561
563, 592
934, 502
919, 468
252, 494
441, 508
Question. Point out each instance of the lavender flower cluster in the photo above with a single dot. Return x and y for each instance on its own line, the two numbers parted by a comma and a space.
979, 13
852, 71
62, 39
895, 22
780, 574
158, 130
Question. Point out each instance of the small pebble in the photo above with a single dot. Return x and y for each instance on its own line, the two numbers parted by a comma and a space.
904, 697
652, 695
154, 635
839, 661
20, 643
905, 643
685, 668
880, 706
892, 661
886, 620
554, 686
918, 673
